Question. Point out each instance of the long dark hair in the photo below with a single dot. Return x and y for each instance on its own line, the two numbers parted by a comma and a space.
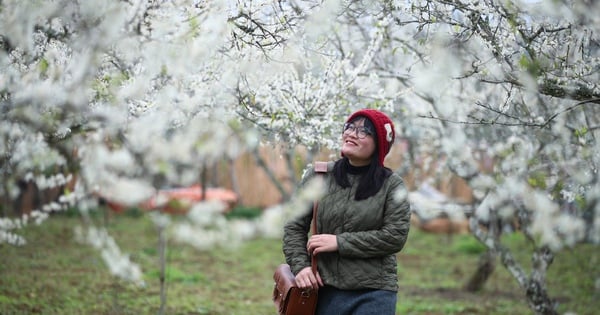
372, 179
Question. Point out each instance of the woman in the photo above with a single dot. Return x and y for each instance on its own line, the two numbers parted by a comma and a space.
363, 221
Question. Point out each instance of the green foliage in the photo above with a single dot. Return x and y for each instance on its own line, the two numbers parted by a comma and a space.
43, 66
583, 136
194, 26
533, 67
537, 180
469, 246
164, 71
581, 132
580, 201
71, 212
555, 192
134, 212
242, 212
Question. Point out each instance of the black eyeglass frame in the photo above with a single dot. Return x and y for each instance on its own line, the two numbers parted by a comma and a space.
361, 132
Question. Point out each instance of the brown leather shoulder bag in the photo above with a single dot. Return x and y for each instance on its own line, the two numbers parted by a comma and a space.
289, 299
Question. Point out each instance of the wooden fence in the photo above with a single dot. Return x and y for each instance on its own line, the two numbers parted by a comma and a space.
254, 187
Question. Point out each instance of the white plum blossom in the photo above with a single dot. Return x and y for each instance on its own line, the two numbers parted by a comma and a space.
271, 221
118, 263
11, 238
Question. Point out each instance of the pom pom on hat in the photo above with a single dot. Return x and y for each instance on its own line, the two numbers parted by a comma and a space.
384, 129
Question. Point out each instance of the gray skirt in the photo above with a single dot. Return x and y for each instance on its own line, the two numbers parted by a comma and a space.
334, 301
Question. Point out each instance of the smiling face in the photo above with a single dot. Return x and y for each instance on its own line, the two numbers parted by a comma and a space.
359, 151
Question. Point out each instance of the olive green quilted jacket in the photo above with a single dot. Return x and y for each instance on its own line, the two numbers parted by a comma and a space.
369, 234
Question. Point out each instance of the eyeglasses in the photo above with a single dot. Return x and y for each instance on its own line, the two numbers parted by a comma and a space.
361, 132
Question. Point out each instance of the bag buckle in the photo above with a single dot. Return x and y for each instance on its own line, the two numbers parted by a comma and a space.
305, 294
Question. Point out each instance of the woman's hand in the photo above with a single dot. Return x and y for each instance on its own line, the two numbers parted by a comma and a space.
322, 243
305, 279
316, 244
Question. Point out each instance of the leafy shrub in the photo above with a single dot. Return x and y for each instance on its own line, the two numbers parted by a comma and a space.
469, 245
241, 212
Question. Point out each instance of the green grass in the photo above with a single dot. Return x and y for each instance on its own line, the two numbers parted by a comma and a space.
53, 274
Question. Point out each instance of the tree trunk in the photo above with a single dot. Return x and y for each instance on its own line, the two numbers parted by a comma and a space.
203, 180
162, 251
289, 159
485, 268
535, 288
235, 185
261, 162
538, 299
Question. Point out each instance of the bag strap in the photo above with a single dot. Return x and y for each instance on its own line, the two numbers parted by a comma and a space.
320, 167
313, 227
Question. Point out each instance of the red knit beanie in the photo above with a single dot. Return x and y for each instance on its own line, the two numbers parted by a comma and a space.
384, 130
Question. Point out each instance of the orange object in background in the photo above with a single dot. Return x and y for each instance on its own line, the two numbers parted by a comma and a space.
179, 200
114, 206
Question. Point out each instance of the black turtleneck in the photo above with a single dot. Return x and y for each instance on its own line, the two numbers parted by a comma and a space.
371, 176
357, 170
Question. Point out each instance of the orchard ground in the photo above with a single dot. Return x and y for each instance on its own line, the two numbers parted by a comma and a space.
53, 274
